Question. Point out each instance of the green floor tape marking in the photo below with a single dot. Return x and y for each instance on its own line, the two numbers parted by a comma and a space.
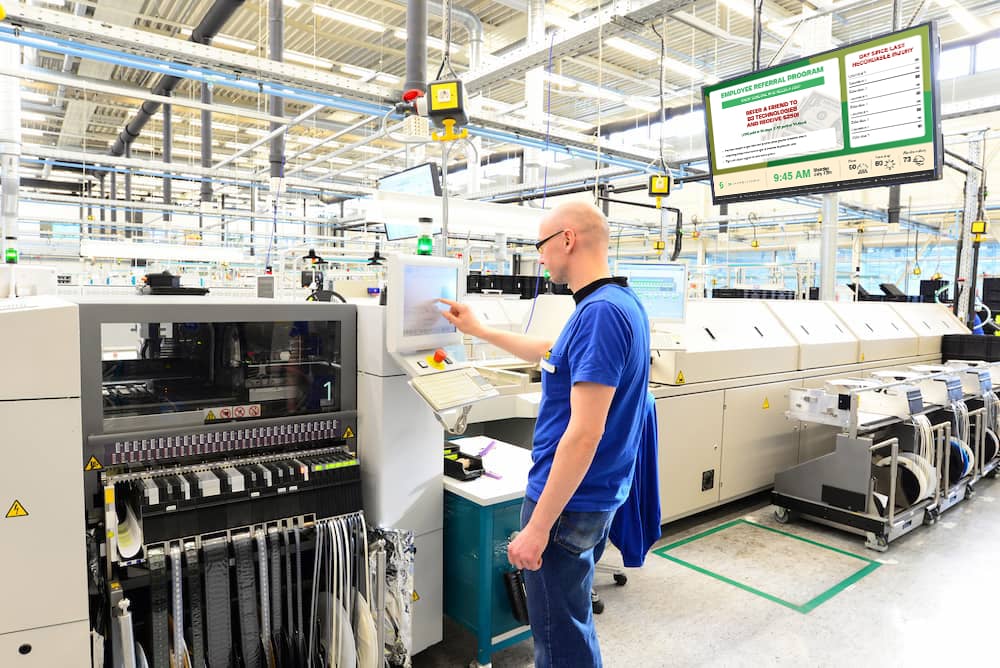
870, 566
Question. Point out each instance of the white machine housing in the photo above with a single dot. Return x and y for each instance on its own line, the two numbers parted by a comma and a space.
44, 615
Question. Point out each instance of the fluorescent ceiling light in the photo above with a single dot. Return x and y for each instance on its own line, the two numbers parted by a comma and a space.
347, 17
306, 59
187, 138
196, 121
741, 7
291, 4
367, 149
687, 70
641, 104
33, 116
353, 175
367, 75
33, 132
631, 49
32, 96
354, 70
432, 42
559, 18
560, 80
963, 17
340, 161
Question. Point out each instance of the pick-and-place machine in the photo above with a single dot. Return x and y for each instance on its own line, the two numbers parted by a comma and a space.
172, 465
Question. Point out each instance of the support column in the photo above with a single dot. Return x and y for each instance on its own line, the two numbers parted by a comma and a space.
828, 248
973, 180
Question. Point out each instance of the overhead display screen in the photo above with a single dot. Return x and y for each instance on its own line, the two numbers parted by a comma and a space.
860, 116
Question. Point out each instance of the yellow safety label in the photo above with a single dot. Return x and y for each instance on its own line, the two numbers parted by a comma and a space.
348, 433
109, 495
17, 510
210, 416
680, 377
862, 357
93, 464
416, 596
767, 404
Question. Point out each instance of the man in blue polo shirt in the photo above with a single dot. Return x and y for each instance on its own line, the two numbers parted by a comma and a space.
594, 385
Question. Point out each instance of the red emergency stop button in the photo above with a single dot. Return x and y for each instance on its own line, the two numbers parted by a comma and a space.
440, 356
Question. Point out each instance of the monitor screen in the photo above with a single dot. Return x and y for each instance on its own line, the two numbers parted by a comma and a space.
422, 287
413, 314
860, 116
660, 287
424, 179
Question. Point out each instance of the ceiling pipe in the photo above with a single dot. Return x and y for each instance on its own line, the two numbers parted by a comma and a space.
210, 25
276, 105
416, 45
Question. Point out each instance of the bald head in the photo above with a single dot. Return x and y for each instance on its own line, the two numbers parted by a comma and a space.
585, 219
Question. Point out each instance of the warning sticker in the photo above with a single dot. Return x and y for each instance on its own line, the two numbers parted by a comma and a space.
210, 415
680, 377
239, 411
93, 464
253, 410
226, 413
348, 433
767, 404
17, 509
416, 596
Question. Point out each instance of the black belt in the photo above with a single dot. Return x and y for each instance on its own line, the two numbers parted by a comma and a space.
194, 605
217, 621
160, 605
246, 597
177, 587
274, 552
265, 598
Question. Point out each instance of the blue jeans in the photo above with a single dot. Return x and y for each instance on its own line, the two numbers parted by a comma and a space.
562, 622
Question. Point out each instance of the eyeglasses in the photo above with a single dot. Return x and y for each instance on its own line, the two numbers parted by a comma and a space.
539, 244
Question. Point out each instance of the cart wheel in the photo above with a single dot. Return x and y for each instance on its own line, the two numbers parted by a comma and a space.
782, 515
596, 604
992, 474
475, 664
879, 544
969, 492
621, 579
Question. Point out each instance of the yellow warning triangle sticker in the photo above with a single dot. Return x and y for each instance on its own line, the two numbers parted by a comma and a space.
680, 377
767, 404
210, 416
416, 596
862, 357
348, 433
17, 510
93, 464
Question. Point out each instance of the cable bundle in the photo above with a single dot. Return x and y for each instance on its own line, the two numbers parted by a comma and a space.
961, 458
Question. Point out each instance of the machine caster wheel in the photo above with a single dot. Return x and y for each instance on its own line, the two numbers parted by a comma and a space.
932, 517
475, 664
596, 604
620, 579
969, 492
992, 475
782, 515
877, 543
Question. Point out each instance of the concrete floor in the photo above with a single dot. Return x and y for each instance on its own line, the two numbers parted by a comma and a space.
931, 602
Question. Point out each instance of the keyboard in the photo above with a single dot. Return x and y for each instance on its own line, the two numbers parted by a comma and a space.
450, 389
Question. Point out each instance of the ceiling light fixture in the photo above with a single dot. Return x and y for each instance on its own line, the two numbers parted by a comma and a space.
631, 49
306, 59
347, 17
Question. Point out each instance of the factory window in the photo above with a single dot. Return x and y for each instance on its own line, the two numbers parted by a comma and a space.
988, 55
955, 62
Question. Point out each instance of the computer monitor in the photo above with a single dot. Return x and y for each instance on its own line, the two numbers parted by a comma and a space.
425, 180
413, 317
660, 287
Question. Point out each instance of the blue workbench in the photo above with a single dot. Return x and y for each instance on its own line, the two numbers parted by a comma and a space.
479, 517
